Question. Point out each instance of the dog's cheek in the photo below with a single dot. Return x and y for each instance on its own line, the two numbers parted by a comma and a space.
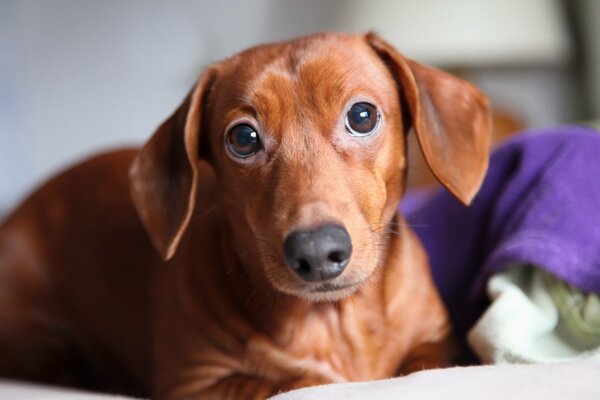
370, 194
392, 173
362, 222
394, 191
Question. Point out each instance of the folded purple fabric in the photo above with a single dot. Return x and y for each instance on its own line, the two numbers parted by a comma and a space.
539, 205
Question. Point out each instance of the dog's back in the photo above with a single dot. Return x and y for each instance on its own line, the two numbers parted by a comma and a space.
73, 298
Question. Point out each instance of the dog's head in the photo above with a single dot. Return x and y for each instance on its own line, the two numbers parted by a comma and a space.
307, 141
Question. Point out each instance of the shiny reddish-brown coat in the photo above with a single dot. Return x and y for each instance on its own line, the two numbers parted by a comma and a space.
214, 312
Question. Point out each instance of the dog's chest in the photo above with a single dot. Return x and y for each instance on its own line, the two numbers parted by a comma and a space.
345, 342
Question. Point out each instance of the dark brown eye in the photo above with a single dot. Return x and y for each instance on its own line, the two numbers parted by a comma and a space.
362, 119
242, 141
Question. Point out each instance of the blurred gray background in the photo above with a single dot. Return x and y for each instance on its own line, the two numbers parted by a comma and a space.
81, 76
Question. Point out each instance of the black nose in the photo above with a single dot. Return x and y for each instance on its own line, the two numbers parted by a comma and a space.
318, 254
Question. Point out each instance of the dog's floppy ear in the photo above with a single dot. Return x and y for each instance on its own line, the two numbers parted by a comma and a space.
451, 119
163, 177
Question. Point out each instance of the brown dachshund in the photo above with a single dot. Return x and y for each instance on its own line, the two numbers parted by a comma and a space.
254, 244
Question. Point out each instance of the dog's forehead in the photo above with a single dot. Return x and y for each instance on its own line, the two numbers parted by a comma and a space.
319, 73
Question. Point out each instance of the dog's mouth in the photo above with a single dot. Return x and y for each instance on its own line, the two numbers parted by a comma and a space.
330, 287
327, 291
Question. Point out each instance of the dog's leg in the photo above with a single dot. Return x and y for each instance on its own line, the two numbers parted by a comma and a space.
240, 387
29, 350
34, 341
234, 387
28, 347
429, 355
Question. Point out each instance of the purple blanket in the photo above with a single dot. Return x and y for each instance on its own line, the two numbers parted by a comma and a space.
539, 205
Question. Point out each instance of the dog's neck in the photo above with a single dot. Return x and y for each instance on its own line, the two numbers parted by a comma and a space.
318, 330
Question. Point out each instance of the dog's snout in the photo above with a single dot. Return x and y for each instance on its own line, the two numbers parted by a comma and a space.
318, 254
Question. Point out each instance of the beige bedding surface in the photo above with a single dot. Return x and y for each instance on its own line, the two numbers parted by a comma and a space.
554, 381
13, 390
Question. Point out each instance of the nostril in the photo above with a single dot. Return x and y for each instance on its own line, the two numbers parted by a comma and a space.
302, 266
337, 257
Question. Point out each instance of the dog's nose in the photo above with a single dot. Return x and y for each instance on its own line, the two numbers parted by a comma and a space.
318, 254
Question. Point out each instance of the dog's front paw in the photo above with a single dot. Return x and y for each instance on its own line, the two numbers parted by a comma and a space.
234, 387
429, 355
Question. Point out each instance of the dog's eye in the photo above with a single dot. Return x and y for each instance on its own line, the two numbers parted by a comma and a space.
242, 141
362, 119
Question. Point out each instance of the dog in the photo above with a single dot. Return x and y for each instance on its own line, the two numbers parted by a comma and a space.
253, 245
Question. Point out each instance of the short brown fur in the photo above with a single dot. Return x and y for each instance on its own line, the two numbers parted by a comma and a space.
215, 314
